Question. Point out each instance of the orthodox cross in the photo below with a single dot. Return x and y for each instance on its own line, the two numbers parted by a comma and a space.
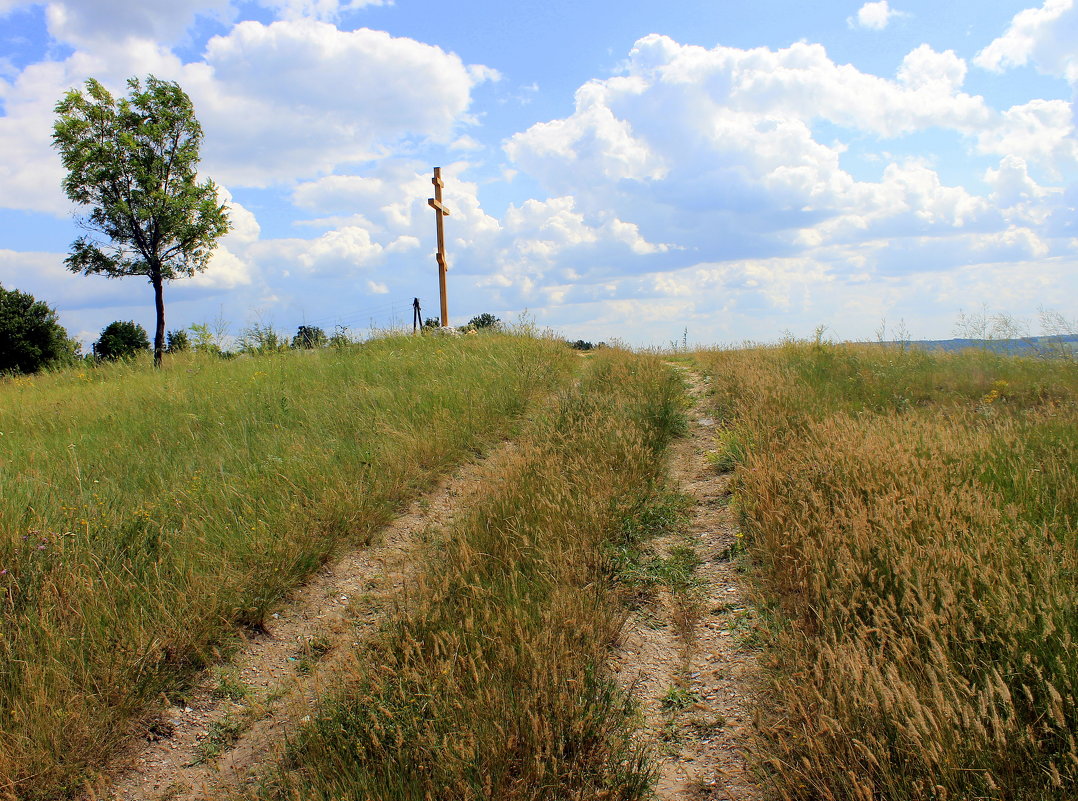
440, 212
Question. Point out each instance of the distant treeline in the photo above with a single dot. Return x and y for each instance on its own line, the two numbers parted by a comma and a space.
1061, 345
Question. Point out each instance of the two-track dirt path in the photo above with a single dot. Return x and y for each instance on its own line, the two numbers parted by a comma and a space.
690, 657
237, 719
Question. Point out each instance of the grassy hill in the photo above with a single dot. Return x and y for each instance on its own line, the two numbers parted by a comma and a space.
145, 515
908, 519
912, 517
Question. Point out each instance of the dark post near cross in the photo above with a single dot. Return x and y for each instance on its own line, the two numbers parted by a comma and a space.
440, 212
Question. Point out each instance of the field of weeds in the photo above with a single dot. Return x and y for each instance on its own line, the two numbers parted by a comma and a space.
913, 520
489, 680
147, 514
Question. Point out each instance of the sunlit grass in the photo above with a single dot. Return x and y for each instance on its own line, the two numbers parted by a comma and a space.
913, 518
145, 514
489, 680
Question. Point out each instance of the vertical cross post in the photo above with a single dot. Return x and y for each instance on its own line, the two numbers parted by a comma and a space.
440, 212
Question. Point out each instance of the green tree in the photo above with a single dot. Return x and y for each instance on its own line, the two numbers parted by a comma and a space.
178, 341
261, 339
484, 320
340, 338
133, 161
309, 336
121, 340
31, 337
207, 340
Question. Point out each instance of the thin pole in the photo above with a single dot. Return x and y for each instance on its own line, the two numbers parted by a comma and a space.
440, 212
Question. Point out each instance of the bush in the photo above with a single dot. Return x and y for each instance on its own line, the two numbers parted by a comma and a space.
208, 340
178, 341
262, 339
309, 336
340, 338
121, 340
582, 344
31, 338
484, 320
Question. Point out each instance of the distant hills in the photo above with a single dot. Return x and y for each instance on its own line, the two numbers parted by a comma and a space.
1025, 346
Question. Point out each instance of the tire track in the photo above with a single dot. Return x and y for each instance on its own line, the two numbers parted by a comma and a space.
237, 719
690, 658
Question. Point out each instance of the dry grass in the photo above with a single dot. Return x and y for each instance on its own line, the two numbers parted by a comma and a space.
145, 515
913, 521
489, 679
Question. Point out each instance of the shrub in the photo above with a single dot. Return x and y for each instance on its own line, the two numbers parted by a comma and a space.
31, 338
484, 320
259, 338
207, 340
178, 341
309, 336
121, 340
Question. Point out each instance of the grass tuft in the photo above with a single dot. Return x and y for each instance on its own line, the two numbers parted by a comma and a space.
913, 517
489, 680
146, 514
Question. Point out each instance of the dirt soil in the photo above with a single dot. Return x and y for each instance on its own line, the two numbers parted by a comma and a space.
235, 722
690, 659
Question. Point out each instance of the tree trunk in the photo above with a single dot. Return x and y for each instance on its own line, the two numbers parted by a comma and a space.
159, 334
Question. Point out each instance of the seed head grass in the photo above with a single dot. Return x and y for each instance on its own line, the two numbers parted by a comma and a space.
912, 517
489, 679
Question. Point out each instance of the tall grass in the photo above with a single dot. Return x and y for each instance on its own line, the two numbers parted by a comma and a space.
489, 679
144, 515
914, 519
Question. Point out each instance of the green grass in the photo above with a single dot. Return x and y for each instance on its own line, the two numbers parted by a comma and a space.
489, 678
146, 514
913, 519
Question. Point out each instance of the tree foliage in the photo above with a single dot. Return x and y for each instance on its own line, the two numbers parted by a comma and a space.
340, 338
484, 320
31, 337
261, 338
133, 162
121, 340
178, 341
309, 336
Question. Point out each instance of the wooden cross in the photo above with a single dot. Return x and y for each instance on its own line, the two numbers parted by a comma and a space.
440, 212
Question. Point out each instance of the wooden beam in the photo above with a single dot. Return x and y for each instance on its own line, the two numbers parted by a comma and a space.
440, 213
436, 204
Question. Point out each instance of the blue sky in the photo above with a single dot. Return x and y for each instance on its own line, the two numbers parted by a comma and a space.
620, 170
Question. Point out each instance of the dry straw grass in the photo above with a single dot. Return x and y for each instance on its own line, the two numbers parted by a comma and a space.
913, 520
489, 680
145, 515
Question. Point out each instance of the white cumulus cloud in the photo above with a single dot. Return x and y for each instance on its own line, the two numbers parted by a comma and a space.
96, 23
297, 98
278, 103
874, 16
1046, 37
319, 9
710, 156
